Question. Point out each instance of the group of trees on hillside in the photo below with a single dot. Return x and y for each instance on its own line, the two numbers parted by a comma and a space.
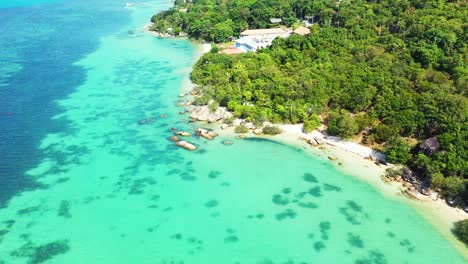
396, 69
217, 20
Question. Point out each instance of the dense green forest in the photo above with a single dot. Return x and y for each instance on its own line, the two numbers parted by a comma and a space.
396, 69
217, 20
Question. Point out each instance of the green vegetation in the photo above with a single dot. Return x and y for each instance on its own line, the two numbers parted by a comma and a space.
397, 151
342, 124
241, 129
272, 130
461, 230
216, 20
396, 69
311, 123
213, 106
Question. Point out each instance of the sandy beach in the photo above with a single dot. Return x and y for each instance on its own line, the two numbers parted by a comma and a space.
353, 159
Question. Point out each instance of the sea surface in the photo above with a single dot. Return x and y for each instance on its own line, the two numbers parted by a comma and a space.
82, 182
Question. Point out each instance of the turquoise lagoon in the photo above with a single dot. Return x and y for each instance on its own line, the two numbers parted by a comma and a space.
102, 189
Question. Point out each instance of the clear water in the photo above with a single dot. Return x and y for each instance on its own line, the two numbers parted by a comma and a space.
82, 182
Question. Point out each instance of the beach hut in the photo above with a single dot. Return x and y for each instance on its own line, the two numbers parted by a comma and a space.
302, 31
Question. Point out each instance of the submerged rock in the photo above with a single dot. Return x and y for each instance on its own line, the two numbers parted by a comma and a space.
186, 145
227, 142
206, 133
183, 133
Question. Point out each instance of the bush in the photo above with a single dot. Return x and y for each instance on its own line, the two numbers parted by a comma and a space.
241, 129
460, 230
437, 181
311, 124
342, 124
383, 132
213, 106
230, 120
397, 151
214, 48
202, 100
454, 186
272, 130
363, 121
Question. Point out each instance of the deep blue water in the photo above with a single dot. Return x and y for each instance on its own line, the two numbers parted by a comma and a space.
38, 46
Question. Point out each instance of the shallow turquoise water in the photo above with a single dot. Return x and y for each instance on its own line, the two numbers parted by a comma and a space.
113, 191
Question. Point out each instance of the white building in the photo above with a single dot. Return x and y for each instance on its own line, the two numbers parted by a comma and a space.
253, 39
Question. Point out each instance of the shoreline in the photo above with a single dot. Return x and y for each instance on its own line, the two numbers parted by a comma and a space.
353, 163
352, 159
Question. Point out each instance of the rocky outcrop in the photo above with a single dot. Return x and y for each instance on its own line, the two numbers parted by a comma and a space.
206, 133
203, 113
183, 133
186, 145
430, 146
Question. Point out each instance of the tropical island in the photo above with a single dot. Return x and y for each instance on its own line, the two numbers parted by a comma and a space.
392, 74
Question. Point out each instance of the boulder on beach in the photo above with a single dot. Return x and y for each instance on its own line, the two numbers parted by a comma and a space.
410, 194
206, 133
224, 126
203, 113
186, 145
312, 142
257, 131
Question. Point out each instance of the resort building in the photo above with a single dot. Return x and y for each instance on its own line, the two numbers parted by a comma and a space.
253, 39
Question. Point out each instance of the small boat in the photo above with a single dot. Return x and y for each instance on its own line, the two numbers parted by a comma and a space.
129, 4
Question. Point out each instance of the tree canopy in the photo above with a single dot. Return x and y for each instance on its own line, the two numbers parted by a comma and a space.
395, 68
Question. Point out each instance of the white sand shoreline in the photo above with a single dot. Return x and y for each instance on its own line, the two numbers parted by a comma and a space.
353, 161
351, 156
